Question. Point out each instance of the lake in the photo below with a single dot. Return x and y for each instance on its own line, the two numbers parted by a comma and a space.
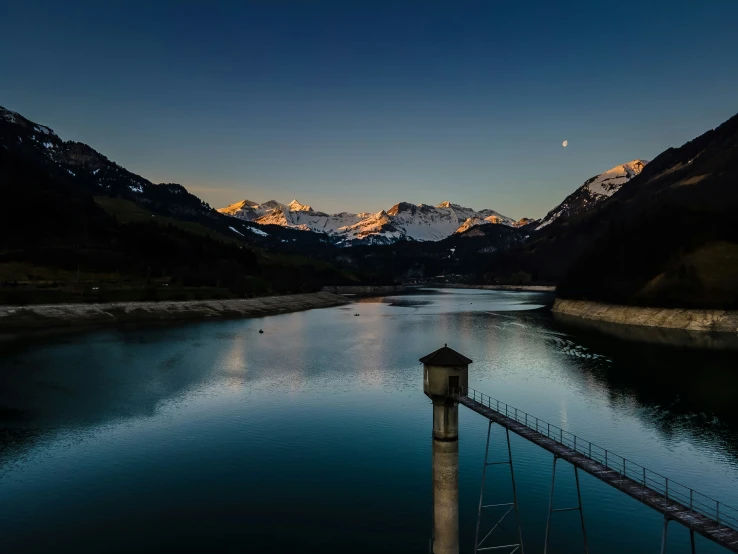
315, 436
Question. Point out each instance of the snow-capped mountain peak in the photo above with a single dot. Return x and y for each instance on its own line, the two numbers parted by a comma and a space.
245, 209
609, 182
232, 208
593, 191
295, 206
272, 205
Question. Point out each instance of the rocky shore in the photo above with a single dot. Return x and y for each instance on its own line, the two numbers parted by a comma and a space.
722, 321
22, 319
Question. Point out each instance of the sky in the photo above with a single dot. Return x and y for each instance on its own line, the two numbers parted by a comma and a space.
355, 106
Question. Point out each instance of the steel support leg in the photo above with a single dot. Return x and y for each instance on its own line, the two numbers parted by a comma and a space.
578, 508
581, 511
550, 506
663, 535
478, 542
481, 490
691, 540
515, 492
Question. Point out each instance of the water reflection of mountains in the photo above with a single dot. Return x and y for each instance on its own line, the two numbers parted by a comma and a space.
683, 381
70, 384
677, 338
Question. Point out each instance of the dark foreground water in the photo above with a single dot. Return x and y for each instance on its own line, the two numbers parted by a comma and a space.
315, 436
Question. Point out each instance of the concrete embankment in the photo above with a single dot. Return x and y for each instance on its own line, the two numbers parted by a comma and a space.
722, 321
21, 319
365, 289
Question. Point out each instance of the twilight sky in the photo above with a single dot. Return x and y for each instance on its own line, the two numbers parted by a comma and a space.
357, 105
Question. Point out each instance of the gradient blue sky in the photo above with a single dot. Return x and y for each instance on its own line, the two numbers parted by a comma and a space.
359, 105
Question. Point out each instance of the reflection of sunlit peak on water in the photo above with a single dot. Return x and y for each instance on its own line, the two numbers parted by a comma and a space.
369, 300
409, 302
563, 414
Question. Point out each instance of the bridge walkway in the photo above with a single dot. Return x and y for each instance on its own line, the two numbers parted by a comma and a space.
713, 520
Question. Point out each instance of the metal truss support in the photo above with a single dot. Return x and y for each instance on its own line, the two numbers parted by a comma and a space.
578, 508
663, 535
479, 545
665, 532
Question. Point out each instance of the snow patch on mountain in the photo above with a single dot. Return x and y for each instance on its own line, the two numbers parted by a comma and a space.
609, 182
258, 232
306, 219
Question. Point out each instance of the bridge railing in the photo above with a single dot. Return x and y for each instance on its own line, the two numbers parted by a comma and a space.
721, 513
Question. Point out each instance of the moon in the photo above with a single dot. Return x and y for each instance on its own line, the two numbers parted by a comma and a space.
565, 143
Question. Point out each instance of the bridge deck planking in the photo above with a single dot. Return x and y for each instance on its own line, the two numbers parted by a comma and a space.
674, 511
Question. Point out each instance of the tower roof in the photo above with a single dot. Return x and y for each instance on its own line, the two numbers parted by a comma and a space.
445, 357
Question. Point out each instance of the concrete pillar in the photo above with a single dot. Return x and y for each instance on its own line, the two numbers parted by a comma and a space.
445, 477
445, 377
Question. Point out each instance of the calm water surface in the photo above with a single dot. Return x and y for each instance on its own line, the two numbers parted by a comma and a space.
316, 437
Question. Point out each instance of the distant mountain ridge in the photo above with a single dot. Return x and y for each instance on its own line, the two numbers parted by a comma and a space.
82, 167
403, 221
93, 172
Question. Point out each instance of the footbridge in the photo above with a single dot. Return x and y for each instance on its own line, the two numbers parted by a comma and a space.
445, 372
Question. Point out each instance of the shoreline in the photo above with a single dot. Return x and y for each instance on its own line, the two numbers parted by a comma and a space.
716, 321
513, 288
16, 320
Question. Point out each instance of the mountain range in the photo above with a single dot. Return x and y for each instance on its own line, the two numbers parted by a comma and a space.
663, 232
95, 173
403, 221
422, 222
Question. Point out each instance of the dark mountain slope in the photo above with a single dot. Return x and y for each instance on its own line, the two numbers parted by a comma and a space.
683, 199
72, 221
73, 232
84, 169
668, 238
671, 236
